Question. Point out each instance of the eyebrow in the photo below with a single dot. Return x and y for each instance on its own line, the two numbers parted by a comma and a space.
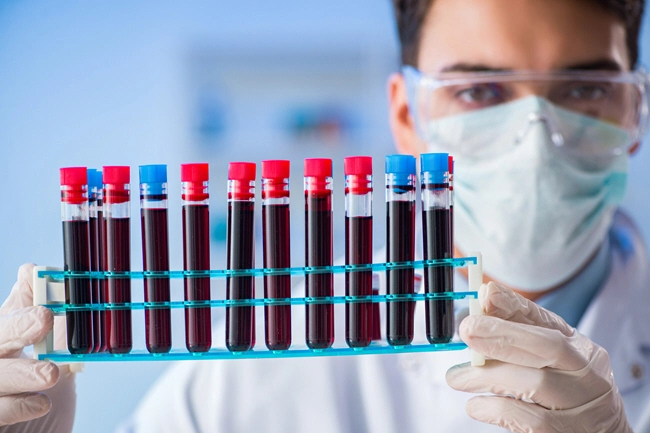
594, 65
469, 67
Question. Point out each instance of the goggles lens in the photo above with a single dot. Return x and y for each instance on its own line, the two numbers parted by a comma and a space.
619, 99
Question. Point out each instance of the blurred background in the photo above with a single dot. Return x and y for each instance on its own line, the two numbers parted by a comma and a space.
132, 84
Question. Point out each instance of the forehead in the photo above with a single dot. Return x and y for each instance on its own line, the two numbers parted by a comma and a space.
520, 34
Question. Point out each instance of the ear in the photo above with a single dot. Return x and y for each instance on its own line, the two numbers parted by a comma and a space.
401, 123
635, 147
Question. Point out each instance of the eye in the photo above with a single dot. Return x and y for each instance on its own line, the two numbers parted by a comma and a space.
588, 92
480, 94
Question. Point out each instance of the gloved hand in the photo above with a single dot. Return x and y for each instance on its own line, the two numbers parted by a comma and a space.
546, 376
23, 380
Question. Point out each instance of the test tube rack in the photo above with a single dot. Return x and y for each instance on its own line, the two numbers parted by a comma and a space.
48, 287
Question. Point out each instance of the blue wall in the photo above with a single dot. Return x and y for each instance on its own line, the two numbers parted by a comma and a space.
117, 85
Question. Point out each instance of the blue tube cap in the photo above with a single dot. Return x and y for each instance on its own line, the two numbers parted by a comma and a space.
437, 164
94, 178
400, 164
434, 162
155, 177
155, 173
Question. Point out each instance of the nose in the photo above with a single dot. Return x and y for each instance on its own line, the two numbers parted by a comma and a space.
539, 116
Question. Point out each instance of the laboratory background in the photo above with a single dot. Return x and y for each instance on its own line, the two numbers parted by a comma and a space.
125, 83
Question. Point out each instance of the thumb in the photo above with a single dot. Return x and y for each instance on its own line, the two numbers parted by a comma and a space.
21, 295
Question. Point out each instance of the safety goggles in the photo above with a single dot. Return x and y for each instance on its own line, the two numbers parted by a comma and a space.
619, 99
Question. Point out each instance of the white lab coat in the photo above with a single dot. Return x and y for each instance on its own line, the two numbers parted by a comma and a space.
393, 393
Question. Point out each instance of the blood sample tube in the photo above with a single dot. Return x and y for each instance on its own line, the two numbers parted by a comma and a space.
76, 257
95, 219
400, 246
435, 223
276, 228
196, 254
358, 248
155, 256
117, 256
240, 241
103, 283
319, 323
451, 201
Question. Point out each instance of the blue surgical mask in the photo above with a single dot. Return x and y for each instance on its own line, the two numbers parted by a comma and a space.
536, 211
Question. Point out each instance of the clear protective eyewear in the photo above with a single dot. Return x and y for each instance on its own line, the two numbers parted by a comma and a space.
619, 99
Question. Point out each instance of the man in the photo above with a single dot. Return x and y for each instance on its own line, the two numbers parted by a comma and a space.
536, 102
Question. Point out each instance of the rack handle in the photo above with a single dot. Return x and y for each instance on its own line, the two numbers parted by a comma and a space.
475, 279
47, 290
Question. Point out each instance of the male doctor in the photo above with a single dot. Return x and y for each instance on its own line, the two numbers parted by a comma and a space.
541, 105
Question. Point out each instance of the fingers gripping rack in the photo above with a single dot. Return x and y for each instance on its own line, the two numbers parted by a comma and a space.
49, 291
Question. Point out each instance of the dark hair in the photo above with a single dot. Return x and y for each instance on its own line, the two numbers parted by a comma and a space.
410, 16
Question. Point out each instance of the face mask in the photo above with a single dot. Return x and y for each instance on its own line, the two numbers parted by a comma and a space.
535, 213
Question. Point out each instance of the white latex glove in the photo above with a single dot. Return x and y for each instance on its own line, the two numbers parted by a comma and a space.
546, 376
24, 407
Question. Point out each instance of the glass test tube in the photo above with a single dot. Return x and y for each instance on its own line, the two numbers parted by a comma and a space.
155, 256
240, 241
76, 257
400, 246
276, 228
95, 221
358, 248
103, 283
451, 201
319, 323
196, 254
117, 256
435, 222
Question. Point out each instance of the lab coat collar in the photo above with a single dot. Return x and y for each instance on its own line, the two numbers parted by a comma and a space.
617, 318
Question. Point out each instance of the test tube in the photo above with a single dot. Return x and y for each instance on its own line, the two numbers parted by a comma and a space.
196, 255
117, 256
358, 248
76, 257
276, 236
435, 223
319, 324
155, 256
451, 201
240, 241
103, 283
95, 220
400, 246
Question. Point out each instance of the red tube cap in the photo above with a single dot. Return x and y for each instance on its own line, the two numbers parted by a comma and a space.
74, 189
450, 159
116, 174
318, 167
276, 169
241, 171
73, 176
195, 172
357, 165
